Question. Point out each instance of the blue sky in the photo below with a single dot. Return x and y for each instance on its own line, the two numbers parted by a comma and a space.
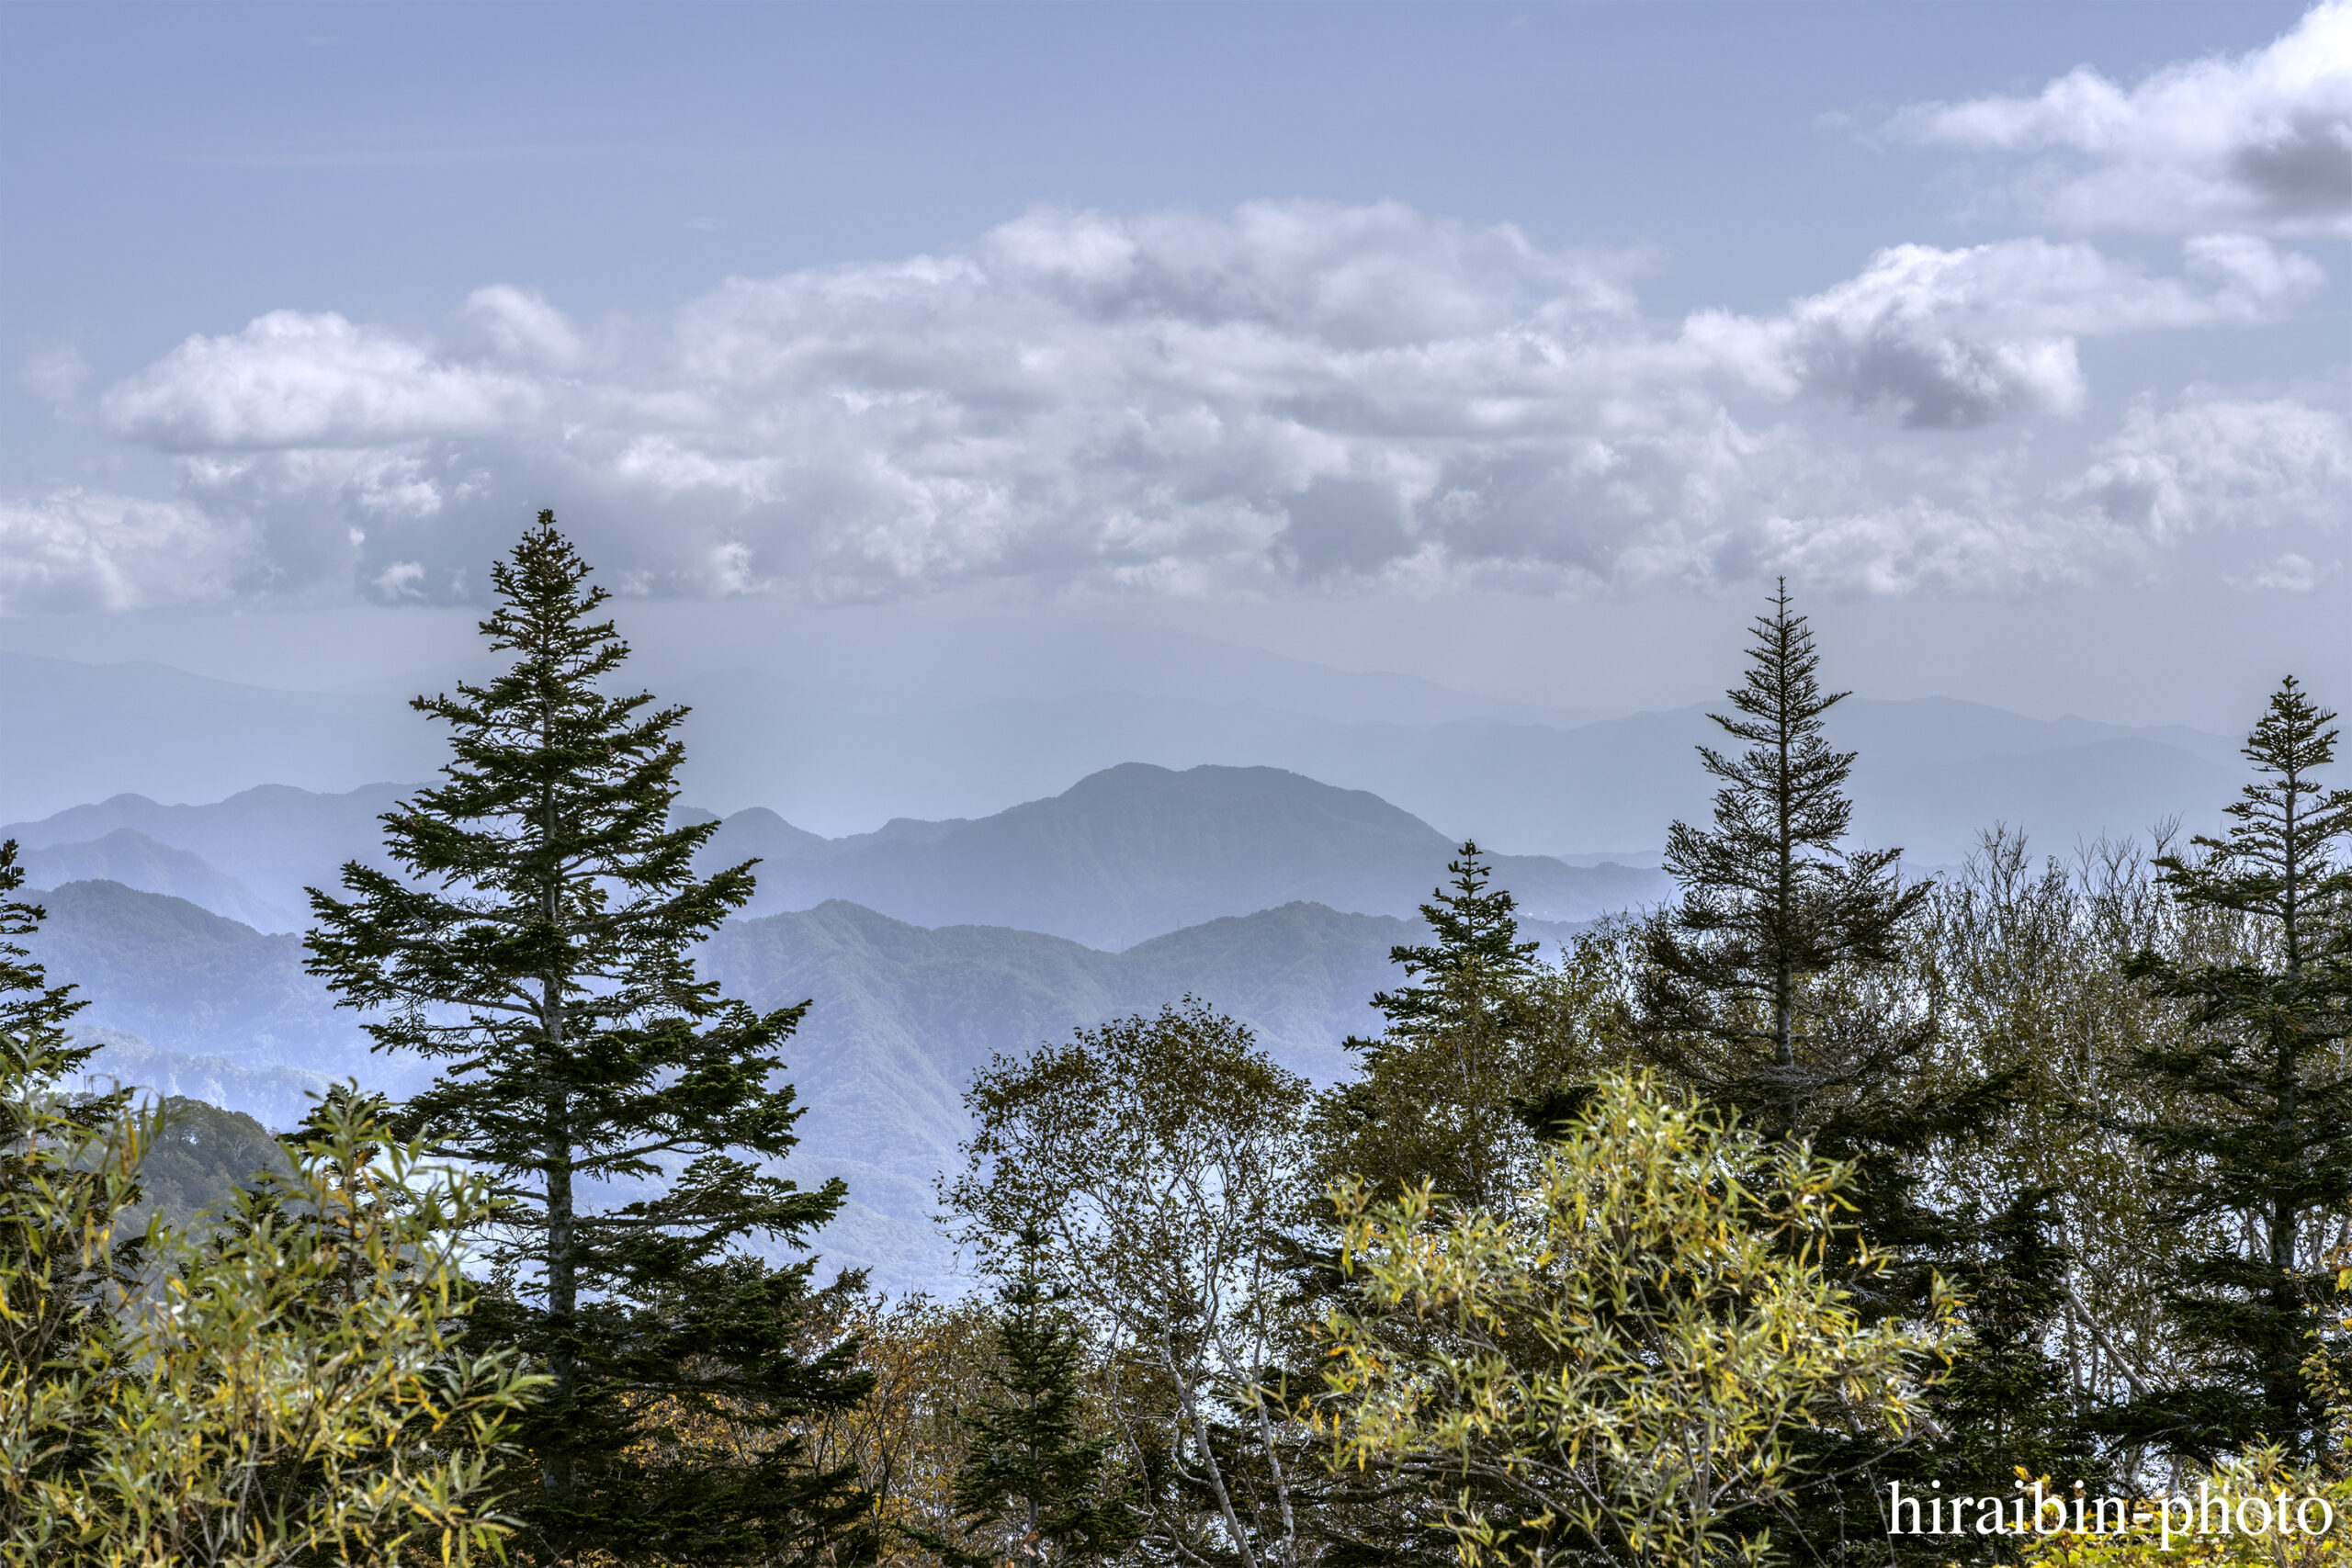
1485, 341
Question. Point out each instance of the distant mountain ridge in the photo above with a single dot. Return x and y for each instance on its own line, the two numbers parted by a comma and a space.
1128, 853
839, 745
130, 857
271, 842
1122, 856
188, 980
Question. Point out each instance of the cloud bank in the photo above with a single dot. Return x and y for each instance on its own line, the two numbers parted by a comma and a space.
1290, 394
2260, 142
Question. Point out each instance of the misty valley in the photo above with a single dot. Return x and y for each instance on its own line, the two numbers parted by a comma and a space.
1191, 1165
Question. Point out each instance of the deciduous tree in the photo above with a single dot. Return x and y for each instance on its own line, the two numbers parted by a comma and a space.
1153, 1157
1622, 1363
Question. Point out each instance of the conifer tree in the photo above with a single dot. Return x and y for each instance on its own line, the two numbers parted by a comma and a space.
1771, 902
538, 946
69, 1168
2265, 1157
1774, 987
1437, 1099
1033, 1478
1462, 1090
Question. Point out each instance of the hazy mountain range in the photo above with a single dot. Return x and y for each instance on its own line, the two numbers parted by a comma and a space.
1126, 854
1019, 907
987, 714
1272, 896
194, 1004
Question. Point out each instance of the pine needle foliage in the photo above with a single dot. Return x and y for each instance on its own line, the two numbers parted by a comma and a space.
1437, 1099
538, 944
1035, 1480
1771, 901
2266, 1142
68, 1171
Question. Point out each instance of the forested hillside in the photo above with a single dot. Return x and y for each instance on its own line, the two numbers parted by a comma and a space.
902, 1017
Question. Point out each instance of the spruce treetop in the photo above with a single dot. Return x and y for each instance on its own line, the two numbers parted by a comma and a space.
1463, 977
1773, 900
2276, 863
2258, 1146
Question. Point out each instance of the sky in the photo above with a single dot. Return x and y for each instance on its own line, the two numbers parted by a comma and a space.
1518, 347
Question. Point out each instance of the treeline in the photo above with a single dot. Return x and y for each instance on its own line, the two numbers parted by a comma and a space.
1707, 1242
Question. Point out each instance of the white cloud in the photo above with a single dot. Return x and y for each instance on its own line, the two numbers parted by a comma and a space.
295, 381
2263, 141
1292, 393
2289, 574
522, 325
2213, 462
402, 580
1956, 338
84, 551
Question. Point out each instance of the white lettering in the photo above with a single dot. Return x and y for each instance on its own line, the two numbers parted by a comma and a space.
2188, 1519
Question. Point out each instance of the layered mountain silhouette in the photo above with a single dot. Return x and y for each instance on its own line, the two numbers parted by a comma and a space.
1122, 856
265, 844
187, 1002
1180, 862
864, 735
128, 856
1134, 850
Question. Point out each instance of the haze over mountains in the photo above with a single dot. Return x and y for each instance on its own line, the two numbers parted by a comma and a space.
191, 1003
933, 880
1126, 854
987, 714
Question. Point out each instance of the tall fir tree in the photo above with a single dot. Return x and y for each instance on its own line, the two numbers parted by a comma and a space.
1033, 1479
2263, 1159
1774, 987
538, 947
1771, 904
1439, 1089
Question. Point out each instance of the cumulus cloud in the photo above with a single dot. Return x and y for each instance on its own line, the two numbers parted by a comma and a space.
1956, 338
295, 381
2213, 462
1291, 393
2260, 141
89, 550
